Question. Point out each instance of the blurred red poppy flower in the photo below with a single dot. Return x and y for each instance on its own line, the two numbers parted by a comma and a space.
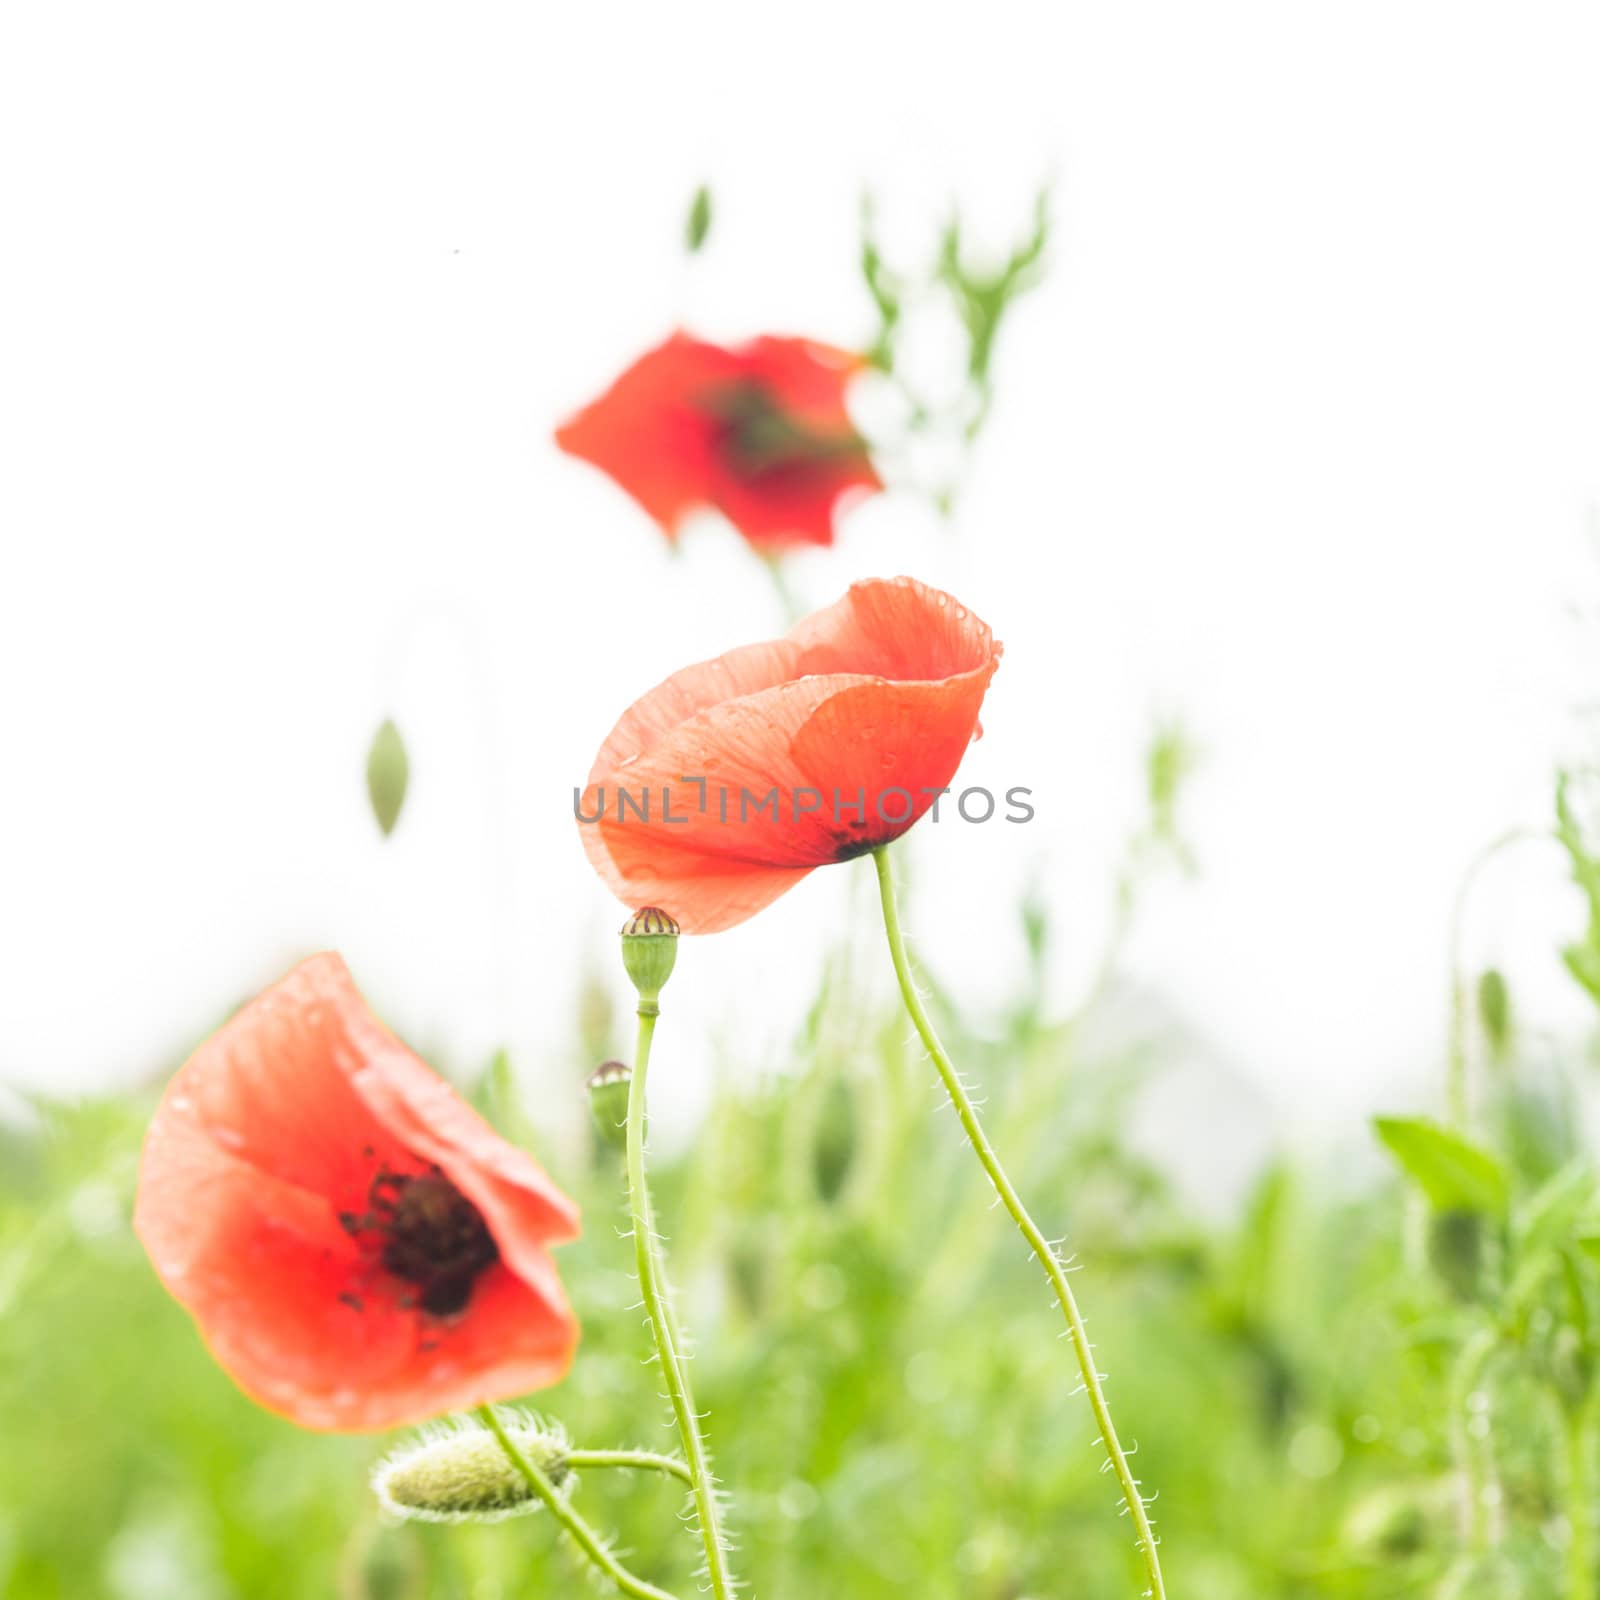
359, 1248
728, 783
759, 432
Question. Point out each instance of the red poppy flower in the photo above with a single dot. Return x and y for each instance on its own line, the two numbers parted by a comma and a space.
732, 780
759, 432
358, 1246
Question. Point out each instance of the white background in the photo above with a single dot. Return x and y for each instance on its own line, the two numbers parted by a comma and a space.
1299, 439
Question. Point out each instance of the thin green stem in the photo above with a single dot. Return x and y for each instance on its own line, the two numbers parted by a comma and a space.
663, 1324
1580, 1502
1471, 1442
787, 602
1041, 1247
634, 1460
561, 1508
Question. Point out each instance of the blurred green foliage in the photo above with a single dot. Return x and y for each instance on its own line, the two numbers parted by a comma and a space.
1349, 1385
978, 290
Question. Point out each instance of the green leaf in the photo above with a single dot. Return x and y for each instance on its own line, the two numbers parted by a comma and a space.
698, 224
1454, 1173
388, 773
1583, 962
1548, 1219
885, 288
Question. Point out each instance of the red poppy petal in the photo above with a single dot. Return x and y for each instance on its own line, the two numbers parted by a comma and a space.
522, 1207
266, 1142
852, 759
647, 433
653, 716
898, 744
795, 503
790, 778
330, 1349
703, 893
272, 1087
810, 378
660, 432
309, 1328
896, 628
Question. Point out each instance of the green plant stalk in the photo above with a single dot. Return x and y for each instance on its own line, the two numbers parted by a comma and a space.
631, 1460
663, 1324
788, 604
1076, 1331
1580, 1502
1474, 1457
586, 1539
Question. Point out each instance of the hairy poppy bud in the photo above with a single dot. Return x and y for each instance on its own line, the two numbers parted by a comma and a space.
459, 1473
649, 950
608, 1101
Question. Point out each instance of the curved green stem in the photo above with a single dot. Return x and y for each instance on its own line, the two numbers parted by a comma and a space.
658, 1308
634, 1460
1054, 1270
586, 1539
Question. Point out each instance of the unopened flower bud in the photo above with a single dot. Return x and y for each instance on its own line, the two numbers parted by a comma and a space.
608, 1101
1457, 1248
459, 1473
649, 950
1494, 1010
388, 774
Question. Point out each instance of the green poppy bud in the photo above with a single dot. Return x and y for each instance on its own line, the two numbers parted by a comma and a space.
459, 1473
608, 1101
388, 775
649, 950
1457, 1250
1494, 1010
698, 223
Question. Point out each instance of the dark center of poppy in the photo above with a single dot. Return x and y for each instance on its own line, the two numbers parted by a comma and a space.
427, 1233
756, 435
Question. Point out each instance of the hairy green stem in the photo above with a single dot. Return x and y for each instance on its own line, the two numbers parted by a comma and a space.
562, 1509
633, 1460
1041, 1247
663, 1324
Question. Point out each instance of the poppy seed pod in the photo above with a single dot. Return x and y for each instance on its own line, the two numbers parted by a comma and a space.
460, 1473
649, 950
